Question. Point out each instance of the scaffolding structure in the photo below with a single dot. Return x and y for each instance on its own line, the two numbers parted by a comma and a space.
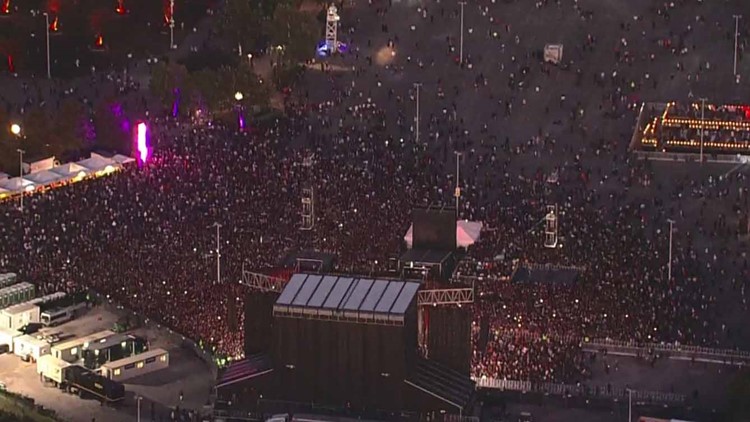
551, 227
332, 29
437, 297
262, 282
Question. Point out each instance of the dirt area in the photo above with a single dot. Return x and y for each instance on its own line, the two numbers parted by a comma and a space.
187, 374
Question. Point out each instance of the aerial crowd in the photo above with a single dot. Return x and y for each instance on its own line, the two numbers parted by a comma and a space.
146, 237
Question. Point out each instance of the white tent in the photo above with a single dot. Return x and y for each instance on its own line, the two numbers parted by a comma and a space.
4, 176
467, 233
122, 159
70, 170
17, 184
44, 177
97, 163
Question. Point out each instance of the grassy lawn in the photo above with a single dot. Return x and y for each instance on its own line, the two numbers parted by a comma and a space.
17, 409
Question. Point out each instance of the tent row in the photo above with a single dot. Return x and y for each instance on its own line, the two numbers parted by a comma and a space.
96, 165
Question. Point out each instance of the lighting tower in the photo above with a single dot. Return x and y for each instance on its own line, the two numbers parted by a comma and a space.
332, 29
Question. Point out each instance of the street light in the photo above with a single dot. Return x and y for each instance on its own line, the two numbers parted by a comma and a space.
736, 37
46, 25
669, 267
461, 44
238, 96
418, 86
15, 129
20, 175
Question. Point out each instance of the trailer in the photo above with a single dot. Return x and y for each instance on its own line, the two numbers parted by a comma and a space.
110, 348
30, 348
85, 383
7, 337
72, 350
52, 369
16, 316
133, 366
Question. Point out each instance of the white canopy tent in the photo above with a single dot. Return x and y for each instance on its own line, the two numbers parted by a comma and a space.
70, 171
98, 163
17, 184
467, 233
44, 177
122, 159
4, 176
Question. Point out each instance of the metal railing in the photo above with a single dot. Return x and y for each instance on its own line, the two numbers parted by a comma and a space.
580, 390
728, 356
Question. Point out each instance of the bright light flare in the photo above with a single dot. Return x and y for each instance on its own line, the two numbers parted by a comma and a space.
5, 8
99, 43
15, 129
54, 26
120, 9
142, 142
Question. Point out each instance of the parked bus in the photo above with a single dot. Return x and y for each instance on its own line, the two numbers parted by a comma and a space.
58, 316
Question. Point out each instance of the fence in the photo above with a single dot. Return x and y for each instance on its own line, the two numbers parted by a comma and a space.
715, 355
580, 390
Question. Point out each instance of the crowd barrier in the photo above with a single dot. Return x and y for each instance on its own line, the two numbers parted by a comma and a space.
727, 356
686, 157
581, 390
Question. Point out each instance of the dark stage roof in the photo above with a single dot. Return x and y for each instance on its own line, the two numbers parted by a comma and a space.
346, 298
425, 256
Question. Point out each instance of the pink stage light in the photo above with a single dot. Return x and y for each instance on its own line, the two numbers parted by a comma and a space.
142, 142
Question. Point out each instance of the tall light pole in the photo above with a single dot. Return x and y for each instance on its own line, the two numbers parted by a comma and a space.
20, 174
736, 36
418, 86
461, 42
669, 266
458, 181
630, 405
218, 252
171, 24
703, 124
138, 401
46, 22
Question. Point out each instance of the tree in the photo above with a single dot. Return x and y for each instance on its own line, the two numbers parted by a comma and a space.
296, 32
113, 131
169, 80
215, 89
243, 22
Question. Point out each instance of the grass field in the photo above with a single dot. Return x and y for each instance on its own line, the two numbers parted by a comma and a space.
18, 409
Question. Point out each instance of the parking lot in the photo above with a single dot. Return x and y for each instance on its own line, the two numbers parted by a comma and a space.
187, 374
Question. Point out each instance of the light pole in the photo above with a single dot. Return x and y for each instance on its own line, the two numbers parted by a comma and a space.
138, 401
20, 174
418, 86
218, 253
171, 25
458, 181
461, 42
703, 124
736, 36
46, 25
630, 405
669, 266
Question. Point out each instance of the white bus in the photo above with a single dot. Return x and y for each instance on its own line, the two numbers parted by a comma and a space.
58, 316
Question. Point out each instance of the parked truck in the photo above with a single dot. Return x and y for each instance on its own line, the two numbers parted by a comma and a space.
76, 379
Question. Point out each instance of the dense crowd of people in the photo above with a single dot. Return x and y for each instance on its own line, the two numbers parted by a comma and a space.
144, 237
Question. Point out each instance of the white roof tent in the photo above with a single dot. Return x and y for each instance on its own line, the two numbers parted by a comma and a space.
346, 299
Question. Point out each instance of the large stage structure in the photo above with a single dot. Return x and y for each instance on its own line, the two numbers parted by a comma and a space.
352, 342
